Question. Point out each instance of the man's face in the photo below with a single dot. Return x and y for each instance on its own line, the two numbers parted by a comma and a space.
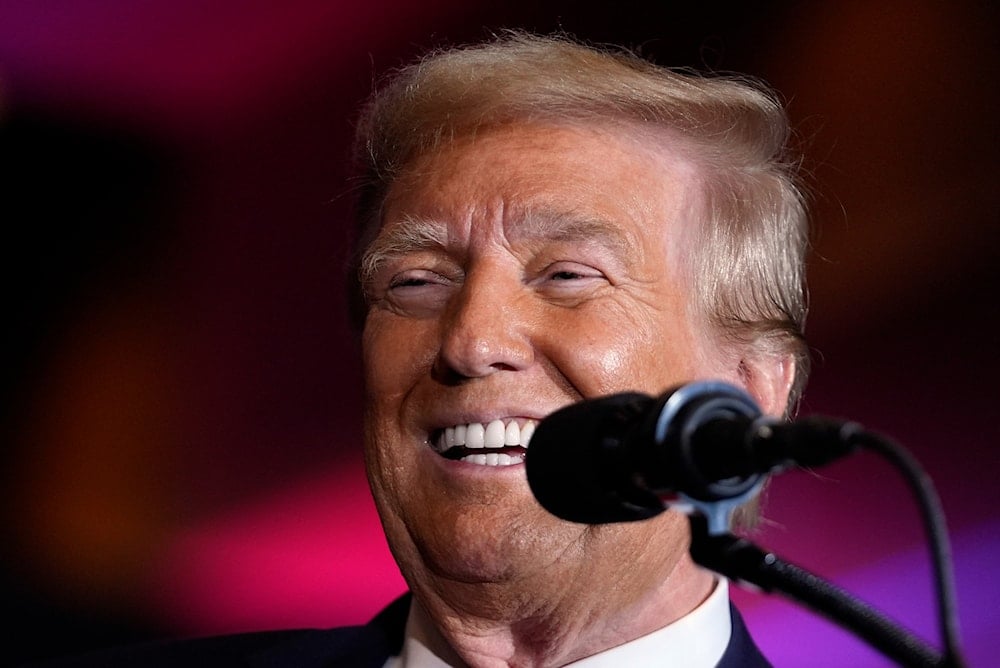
517, 272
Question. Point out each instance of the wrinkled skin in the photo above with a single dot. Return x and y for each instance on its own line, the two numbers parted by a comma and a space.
550, 268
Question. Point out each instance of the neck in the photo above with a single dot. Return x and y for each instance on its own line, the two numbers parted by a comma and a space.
493, 625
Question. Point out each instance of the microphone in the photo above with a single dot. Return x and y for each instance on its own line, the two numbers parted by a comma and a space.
625, 457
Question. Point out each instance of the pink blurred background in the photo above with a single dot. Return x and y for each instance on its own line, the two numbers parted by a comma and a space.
181, 384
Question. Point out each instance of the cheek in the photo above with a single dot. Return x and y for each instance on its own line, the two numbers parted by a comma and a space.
395, 352
388, 373
376, 353
397, 355
391, 364
646, 354
603, 368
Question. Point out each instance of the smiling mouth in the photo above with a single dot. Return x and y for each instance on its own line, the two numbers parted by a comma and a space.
497, 443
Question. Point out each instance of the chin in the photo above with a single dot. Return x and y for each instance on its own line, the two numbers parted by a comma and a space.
498, 543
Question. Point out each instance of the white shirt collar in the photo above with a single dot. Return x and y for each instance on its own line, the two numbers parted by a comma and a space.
697, 640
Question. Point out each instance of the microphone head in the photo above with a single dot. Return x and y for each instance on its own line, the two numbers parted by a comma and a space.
579, 467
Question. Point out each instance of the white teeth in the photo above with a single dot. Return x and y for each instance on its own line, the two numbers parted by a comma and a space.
493, 459
512, 434
526, 432
494, 435
475, 436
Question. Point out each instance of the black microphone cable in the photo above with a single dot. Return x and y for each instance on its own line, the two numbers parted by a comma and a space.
935, 525
705, 448
742, 561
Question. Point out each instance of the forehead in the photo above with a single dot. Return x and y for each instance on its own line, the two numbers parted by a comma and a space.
533, 178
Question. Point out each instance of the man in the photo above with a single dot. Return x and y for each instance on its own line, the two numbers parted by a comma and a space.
542, 223
546, 223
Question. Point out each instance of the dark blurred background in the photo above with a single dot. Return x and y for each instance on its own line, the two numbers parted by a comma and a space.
181, 387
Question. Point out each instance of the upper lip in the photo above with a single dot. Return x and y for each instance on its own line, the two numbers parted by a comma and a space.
444, 417
438, 425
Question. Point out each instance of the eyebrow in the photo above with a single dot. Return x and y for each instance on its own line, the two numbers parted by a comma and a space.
409, 235
413, 234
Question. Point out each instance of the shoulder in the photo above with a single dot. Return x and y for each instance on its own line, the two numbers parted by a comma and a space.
742, 651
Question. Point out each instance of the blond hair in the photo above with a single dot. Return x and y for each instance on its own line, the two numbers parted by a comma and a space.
749, 277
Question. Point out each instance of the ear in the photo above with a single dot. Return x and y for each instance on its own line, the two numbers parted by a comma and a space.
768, 379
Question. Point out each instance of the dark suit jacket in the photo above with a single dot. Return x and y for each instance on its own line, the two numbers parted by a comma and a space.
367, 646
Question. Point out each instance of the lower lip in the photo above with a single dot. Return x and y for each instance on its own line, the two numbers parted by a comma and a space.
470, 468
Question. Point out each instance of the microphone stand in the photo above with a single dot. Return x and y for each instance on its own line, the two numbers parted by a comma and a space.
741, 561
714, 547
704, 449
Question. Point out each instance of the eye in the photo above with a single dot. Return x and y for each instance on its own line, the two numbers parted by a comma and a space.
418, 292
413, 279
570, 280
565, 275
571, 271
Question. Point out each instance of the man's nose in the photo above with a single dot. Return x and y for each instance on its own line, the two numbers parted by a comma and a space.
485, 330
